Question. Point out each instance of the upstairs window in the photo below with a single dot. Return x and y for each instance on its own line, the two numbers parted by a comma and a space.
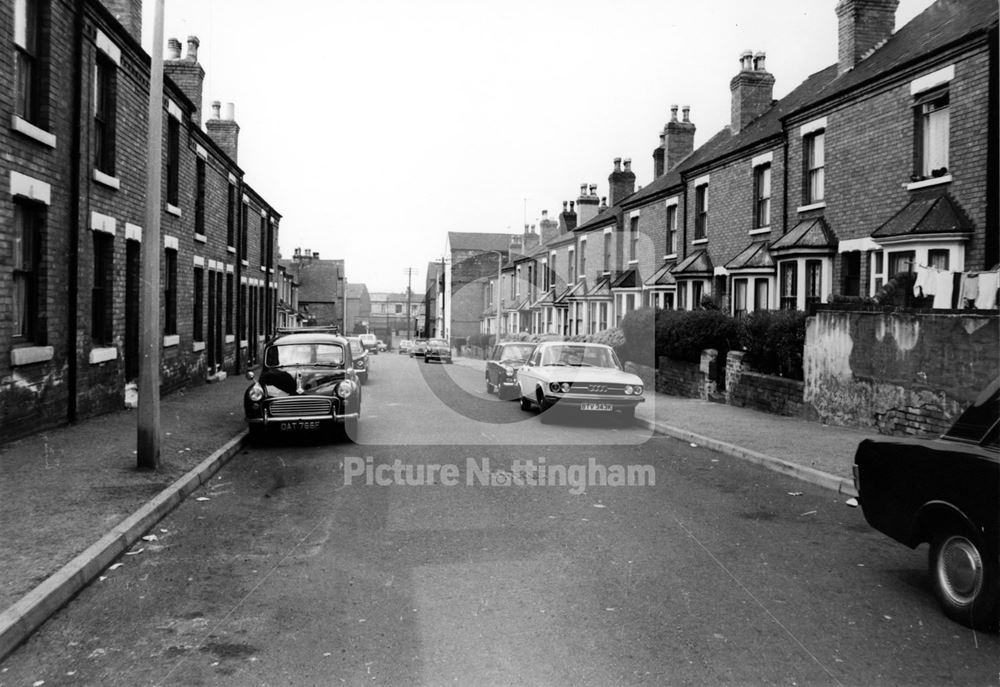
173, 161
583, 258
571, 267
29, 93
762, 196
672, 230
932, 132
105, 94
607, 252
197, 330
231, 210
701, 212
199, 197
633, 239
815, 164
263, 241
170, 292
244, 230
27, 239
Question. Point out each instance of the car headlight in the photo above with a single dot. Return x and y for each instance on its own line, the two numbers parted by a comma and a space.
637, 390
554, 386
509, 371
345, 389
256, 393
565, 387
628, 389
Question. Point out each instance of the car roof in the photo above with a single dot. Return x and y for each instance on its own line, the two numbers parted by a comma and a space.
591, 344
307, 338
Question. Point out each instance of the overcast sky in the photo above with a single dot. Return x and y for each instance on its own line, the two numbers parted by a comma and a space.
376, 126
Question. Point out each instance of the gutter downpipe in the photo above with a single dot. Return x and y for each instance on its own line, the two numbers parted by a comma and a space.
73, 291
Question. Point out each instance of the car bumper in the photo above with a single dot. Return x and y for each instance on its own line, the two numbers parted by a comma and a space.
332, 417
577, 400
437, 356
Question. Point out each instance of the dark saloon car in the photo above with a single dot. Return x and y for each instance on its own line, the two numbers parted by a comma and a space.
419, 348
502, 365
945, 492
307, 382
362, 363
437, 349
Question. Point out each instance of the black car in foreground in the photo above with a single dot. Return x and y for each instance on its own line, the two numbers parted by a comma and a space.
362, 363
945, 492
307, 383
502, 364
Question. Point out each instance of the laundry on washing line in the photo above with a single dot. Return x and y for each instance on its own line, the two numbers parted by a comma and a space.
957, 290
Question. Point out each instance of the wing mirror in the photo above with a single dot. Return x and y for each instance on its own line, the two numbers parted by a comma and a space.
250, 375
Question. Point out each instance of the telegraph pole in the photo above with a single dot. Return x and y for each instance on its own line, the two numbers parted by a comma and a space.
151, 338
409, 281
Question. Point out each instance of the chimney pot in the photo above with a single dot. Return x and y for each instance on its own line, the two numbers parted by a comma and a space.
545, 215
583, 189
230, 113
686, 111
746, 61
192, 48
564, 206
628, 164
593, 189
173, 49
758, 62
571, 206
216, 107
673, 113
618, 164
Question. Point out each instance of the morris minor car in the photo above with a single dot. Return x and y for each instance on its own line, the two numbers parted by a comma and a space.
502, 364
306, 383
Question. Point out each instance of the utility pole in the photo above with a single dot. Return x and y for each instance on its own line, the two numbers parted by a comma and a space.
151, 338
409, 281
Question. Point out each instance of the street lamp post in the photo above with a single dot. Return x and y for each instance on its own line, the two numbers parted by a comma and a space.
499, 255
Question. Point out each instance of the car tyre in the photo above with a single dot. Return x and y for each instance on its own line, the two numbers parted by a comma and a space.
489, 387
349, 429
256, 434
964, 578
525, 403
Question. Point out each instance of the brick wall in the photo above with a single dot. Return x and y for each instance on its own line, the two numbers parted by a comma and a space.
767, 393
679, 378
910, 373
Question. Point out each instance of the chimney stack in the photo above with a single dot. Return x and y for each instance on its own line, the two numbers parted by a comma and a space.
186, 73
548, 228
752, 91
129, 15
567, 220
621, 183
586, 204
862, 26
224, 131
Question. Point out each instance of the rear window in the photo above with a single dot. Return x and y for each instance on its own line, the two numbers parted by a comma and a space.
978, 424
282, 355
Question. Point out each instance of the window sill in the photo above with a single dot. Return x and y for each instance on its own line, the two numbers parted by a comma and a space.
170, 340
231, 249
814, 206
107, 180
102, 355
23, 126
762, 230
263, 268
230, 338
671, 256
243, 343
699, 242
935, 181
244, 263
28, 355
173, 210
200, 238
633, 262
198, 346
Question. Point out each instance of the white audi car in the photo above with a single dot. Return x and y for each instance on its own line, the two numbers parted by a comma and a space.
582, 377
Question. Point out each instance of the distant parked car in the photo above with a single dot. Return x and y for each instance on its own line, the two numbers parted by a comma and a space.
438, 349
502, 364
405, 345
581, 377
307, 382
946, 492
419, 348
369, 341
362, 364
380, 346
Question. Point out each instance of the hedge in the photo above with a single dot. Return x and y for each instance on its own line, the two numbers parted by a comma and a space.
774, 341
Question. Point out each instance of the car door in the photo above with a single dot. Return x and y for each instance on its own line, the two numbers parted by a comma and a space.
527, 376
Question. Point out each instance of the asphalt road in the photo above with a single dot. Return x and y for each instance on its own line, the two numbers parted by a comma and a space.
293, 567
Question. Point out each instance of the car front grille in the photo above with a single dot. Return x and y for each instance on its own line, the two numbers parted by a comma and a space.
597, 388
299, 406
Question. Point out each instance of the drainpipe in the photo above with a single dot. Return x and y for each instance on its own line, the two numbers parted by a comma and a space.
73, 286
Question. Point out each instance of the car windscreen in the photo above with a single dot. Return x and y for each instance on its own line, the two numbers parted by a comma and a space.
580, 356
978, 423
515, 352
323, 355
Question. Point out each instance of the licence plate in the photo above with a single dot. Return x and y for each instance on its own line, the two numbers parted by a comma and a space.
599, 407
297, 425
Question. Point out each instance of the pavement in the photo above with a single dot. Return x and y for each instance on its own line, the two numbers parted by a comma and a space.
72, 499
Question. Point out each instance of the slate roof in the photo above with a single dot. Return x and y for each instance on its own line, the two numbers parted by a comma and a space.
754, 256
604, 218
662, 277
629, 279
808, 233
928, 213
471, 240
696, 264
601, 289
356, 290
578, 290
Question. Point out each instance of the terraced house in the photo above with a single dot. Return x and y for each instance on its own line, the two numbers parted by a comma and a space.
71, 218
882, 163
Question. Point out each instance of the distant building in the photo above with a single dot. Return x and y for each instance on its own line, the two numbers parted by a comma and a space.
389, 320
359, 309
322, 287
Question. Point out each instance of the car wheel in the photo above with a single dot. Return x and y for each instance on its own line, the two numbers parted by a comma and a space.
964, 578
489, 387
543, 405
525, 403
256, 434
350, 429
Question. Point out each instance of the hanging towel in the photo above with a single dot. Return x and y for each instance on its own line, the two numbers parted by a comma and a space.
923, 286
970, 290
943, 289
988, 283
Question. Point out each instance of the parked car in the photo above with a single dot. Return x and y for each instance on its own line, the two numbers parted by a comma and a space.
502, 364
583, 377
362, 364
405, 346
945, 492
438, 349
419, 348
380, 346
369, 341
307, 382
